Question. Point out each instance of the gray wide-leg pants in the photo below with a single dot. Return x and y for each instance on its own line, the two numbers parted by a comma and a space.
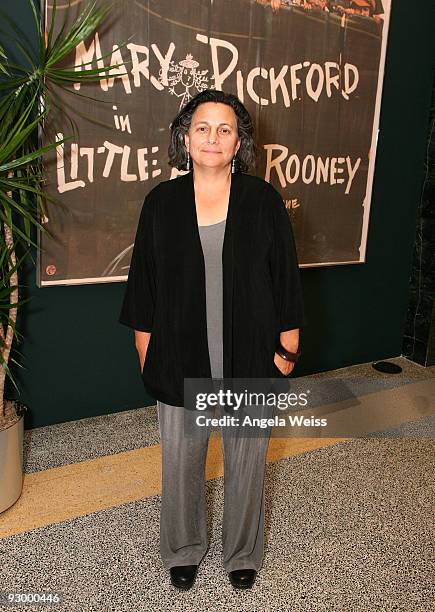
183, 517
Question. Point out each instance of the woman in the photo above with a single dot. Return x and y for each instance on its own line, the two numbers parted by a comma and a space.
213, 291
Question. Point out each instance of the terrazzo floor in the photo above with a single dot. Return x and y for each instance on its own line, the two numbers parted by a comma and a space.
349, 526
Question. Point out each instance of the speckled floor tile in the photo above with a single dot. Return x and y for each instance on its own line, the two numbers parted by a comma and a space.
349, 528
64, 443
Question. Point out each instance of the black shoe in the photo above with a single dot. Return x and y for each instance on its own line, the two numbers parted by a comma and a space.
183, 576
242, 579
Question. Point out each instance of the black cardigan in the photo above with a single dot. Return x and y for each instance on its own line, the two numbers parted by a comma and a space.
165, 292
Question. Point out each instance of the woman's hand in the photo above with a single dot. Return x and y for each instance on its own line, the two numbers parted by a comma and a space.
285, 367
142, 339
290, 341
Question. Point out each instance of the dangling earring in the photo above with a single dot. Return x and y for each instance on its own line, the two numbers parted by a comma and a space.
233, 165
188, 161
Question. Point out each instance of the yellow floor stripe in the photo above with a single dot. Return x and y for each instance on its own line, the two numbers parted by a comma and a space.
55, 495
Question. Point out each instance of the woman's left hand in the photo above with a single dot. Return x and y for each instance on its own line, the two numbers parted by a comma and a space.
285, 367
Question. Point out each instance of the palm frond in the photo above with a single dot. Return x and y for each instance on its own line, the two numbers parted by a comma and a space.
28, 96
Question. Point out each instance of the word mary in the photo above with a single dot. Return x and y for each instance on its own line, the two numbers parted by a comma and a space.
289, 82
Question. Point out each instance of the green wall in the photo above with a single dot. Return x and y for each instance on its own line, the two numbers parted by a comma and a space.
79, 362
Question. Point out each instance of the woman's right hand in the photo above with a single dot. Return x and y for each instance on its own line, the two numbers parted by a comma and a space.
142, 340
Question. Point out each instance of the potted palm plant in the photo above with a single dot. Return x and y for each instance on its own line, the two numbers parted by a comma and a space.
27, 95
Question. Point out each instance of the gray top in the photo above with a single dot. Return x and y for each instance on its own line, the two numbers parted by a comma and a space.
212, 237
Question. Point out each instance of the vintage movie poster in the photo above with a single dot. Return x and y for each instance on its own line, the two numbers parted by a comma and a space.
309, 72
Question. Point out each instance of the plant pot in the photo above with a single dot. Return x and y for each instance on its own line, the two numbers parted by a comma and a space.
11, 458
